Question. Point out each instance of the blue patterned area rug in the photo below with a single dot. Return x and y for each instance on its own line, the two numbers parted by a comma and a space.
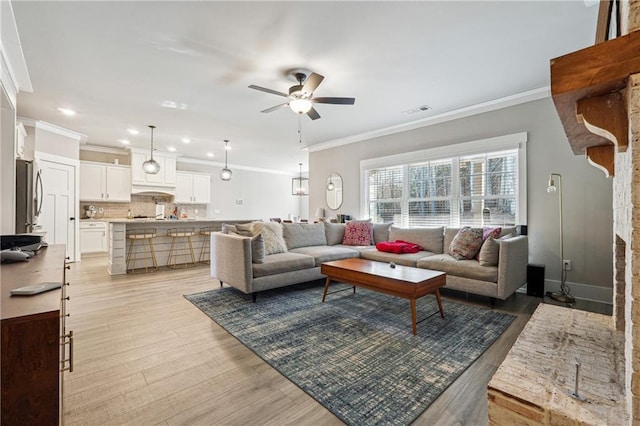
355, 353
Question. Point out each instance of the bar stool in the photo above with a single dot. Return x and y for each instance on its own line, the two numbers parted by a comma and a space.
206, 244
186, 249
142, 235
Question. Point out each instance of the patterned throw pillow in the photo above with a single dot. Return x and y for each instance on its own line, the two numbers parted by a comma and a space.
358, 233
466, 243
491, 232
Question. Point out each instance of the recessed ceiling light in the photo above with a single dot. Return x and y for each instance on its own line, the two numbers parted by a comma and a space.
209, 154
67, 111
125, 141
172, 149
173, 105
185, 140
133, 131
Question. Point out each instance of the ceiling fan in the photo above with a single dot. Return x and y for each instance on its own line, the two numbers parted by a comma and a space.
300, 97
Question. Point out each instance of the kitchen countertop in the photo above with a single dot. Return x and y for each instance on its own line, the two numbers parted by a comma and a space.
160, 221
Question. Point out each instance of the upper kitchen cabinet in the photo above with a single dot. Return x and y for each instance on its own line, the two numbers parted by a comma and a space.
165, 178
193, 188
104, 182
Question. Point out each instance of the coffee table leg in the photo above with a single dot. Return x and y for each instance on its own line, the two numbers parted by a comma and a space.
439, 303
413, 316
326, 288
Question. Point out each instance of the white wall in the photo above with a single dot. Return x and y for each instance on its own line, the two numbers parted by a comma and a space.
7, 165
249, 194
588, 218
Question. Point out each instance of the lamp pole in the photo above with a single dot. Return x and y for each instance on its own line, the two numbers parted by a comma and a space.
564, 296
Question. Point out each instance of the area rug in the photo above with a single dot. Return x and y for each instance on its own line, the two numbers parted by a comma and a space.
355, 353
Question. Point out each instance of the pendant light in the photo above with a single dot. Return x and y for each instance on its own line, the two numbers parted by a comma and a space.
151, 166
300, 185
330, 186
225, 174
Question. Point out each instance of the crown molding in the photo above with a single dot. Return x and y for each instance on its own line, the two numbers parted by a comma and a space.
53, 128
14, 74
493, 105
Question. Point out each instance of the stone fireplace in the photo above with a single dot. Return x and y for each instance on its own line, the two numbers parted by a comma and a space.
596, 92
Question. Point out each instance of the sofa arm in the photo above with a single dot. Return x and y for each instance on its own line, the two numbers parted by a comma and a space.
231, 260
512, 265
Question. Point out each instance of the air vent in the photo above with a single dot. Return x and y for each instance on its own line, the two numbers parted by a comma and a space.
421, 108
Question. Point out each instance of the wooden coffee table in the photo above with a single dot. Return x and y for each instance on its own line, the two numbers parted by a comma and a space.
402, 281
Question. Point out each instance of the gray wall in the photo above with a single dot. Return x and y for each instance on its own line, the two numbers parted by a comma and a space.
587, 194
263, 195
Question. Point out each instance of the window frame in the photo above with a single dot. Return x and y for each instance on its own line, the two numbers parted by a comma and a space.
477, 147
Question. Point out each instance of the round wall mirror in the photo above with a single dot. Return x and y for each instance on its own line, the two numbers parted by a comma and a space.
334, 191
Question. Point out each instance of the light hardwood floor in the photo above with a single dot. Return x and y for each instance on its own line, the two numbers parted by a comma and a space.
144, 355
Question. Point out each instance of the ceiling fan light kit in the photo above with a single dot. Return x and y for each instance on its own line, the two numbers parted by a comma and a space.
300, 97
151, 166
225, 174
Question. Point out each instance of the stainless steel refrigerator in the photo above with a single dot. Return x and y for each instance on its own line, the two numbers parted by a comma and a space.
28, 196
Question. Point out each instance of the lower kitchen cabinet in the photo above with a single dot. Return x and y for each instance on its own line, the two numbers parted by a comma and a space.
36, 347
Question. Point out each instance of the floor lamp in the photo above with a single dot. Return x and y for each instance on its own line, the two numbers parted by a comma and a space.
564, 295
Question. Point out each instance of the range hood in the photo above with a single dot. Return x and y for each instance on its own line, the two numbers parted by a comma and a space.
153, 190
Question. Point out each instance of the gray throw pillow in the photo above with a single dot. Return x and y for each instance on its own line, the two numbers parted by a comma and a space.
381, 232
257, 249
334, 233
489, 252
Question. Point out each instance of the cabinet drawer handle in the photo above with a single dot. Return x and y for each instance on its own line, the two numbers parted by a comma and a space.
70, 359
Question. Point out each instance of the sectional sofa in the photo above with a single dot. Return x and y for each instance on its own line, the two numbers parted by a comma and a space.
233, 261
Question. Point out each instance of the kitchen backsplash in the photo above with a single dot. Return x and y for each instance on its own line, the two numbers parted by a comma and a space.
144, 205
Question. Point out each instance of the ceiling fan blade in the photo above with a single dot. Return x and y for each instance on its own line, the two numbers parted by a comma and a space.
313, 114
277, 107
264, 89
312, 82
339, 101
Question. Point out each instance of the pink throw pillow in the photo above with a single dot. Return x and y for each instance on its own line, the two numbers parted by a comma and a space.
491, 232
466, 243
358, 234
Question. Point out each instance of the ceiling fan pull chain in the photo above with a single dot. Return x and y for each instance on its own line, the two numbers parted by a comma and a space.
299, 128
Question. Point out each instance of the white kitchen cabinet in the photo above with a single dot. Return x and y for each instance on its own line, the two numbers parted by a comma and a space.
105, 182
93, 237
193, 188
166, 177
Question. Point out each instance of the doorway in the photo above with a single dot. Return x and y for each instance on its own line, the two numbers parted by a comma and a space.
58, 215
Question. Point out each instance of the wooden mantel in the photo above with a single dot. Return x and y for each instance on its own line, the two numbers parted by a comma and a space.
587, 87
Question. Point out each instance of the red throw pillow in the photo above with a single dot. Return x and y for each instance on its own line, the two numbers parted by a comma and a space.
398, 246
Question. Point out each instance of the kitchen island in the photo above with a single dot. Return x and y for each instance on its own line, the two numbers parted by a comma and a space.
119, 244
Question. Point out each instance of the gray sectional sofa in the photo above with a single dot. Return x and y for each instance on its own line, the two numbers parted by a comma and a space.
309, 245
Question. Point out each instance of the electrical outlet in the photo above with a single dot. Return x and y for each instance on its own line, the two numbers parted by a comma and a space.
566, 264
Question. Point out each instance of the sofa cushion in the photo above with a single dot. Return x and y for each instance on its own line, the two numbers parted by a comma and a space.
460, 268
489, 252
282, 262
429, 238
466, 243
381, 232
326, 253
358, 233
407, 259
303, 235
334, 232
272, 235
357, 248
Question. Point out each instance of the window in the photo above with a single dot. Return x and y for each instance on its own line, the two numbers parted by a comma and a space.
470, 188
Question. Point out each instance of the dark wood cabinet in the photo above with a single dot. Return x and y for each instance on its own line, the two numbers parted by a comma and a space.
33, 341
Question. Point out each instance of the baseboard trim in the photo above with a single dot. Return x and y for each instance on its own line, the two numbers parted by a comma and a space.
581, 291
